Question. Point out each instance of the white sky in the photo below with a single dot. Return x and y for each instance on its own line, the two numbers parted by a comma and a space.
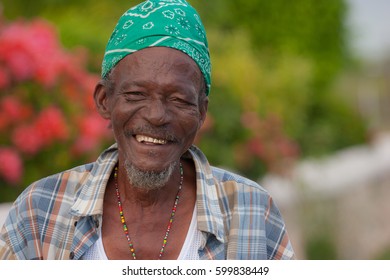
369, 22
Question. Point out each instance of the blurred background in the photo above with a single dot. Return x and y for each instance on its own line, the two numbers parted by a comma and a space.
299, 102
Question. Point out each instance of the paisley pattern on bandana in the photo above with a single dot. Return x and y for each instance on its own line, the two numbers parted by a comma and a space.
164, 23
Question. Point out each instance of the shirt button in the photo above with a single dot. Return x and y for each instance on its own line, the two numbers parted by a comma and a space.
75, 223
71, 255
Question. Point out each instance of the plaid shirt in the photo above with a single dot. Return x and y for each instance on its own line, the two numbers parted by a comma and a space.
58, 217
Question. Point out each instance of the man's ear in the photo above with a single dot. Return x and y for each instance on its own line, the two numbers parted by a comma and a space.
203, 110
101, 97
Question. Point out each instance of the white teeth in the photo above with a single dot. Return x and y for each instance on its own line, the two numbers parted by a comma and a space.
142, 138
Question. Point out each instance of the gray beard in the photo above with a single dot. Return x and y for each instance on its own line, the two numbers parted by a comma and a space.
148, 180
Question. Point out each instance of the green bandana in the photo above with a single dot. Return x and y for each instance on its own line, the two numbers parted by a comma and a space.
156, 23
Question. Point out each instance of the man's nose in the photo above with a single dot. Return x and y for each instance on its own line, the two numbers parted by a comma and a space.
157, 113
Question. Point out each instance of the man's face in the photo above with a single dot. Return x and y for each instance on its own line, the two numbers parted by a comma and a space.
154, 106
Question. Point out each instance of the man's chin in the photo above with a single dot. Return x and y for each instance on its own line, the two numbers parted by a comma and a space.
146, 179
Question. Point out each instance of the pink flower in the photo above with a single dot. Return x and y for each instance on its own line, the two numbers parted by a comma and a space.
4, 121
11, 167
256, 147
4, 79
93, 129
51, 125
31, 50
27, 139
15, 53
13, 109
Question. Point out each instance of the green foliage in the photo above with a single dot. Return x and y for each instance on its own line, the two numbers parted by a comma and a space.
246, 92
319, 231
385, 255
299, 49
331, 127
321, 248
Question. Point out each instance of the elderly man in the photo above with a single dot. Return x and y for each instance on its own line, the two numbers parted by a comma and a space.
152, 195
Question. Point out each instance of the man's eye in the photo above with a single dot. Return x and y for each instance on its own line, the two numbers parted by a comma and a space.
181, 101
134, 95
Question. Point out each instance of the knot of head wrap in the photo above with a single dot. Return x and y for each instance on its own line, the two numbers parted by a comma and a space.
159, 23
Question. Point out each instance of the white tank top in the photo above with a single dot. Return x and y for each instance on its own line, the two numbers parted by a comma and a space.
189, 251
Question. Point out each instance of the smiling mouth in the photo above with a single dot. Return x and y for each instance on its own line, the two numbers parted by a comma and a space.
150, 140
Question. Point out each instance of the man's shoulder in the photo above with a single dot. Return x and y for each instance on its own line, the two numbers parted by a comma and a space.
225, 176
221, 176
72, 179
66, 182
73, 174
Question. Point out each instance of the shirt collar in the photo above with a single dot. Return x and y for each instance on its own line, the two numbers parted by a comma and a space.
210, 218
89, 198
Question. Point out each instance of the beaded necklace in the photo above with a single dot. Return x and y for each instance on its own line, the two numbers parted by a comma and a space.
123, 221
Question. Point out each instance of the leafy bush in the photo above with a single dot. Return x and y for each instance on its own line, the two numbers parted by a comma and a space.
256, 105
47, 117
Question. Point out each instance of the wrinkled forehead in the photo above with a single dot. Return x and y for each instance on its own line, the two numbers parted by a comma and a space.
160, 65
